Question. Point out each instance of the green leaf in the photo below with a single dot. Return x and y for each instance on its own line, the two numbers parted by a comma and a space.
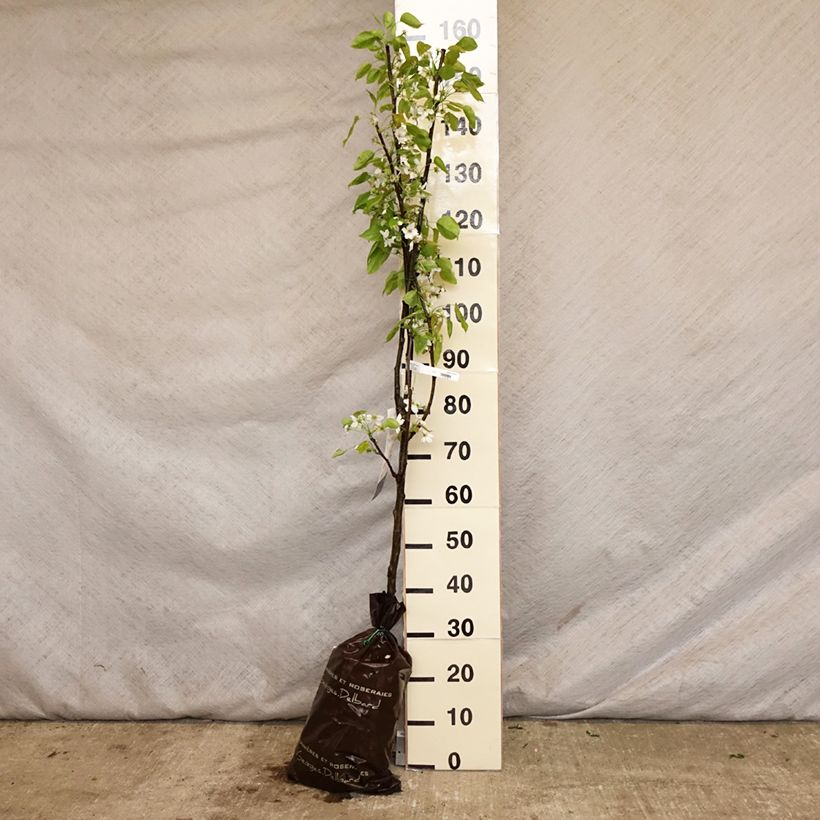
472, 79
449, 326
410, 20
420, 342
462, 320
394, 280
393, 331
428, 249
373, 75
363, 69
363, 177
447, 271
439, 163
447, 72
470, 114
390, 423
467, 44
411, 298
350, 132
361, 200
448, 227
377, 257
339, 452
408, 65
363, 447
422, 48
436, 350
388, 20
371, 234
471, 83
362, 160
419, 135
365, 39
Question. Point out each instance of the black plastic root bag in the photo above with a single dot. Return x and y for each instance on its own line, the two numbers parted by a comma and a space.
346, 742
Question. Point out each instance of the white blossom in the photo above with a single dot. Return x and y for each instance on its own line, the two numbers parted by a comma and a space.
410, 232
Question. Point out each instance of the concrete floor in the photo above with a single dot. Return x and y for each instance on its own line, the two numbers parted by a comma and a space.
577, 769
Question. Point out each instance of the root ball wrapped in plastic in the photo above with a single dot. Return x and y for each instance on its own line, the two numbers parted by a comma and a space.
346, 742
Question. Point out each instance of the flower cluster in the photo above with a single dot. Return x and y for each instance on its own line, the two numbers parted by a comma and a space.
390, 424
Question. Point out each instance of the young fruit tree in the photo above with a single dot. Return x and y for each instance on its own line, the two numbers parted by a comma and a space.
345, 743
414, 91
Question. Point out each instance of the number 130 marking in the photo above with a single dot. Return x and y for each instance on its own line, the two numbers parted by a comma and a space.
462, 172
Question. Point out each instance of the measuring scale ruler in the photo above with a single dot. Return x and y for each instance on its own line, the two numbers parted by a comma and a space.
451, 519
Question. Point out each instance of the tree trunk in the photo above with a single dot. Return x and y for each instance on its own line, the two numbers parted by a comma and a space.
401, 467
398, 532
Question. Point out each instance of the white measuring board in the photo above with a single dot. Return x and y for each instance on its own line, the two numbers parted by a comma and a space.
451, 522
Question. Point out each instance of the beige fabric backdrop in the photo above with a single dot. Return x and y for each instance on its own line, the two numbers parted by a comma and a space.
184, 318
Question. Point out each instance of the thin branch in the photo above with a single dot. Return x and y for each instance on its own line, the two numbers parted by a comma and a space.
389, 62
408, 378
429, 159
397, 366
420, 222
430, 398
393, 174
379, 451
386, 152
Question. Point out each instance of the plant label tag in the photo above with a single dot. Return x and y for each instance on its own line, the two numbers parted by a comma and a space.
436, 372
